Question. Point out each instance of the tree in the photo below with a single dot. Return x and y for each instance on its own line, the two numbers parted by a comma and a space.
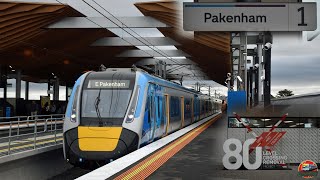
272, 97
284, 93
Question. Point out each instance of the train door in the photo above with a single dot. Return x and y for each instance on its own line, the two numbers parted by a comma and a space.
149, 117
153, 111
196, 108
182, 110
192, 110
159, 113
167, 105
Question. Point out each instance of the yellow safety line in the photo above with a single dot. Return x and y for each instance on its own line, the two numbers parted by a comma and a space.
29, 145
135, 172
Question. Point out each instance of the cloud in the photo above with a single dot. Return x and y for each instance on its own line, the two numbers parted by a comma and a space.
35, 90
295, 64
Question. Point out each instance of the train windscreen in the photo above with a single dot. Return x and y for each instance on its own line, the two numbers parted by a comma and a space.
105, 98
112, 103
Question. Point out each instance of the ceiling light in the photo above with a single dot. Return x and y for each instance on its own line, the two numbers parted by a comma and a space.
288, 121
265, 119
239, 78
174, 57
308, 125
27, 53
66, 62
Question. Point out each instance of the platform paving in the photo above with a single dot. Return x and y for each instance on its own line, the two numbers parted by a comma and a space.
202, 159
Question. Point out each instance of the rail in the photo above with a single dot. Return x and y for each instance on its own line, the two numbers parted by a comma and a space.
30, 132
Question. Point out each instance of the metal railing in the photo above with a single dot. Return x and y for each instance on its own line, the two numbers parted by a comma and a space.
30, 132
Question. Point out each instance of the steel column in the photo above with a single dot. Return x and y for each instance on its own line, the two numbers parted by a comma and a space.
27, 91
267, 62
18, 84
56, 89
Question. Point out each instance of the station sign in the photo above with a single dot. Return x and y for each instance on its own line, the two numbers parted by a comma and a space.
249, 16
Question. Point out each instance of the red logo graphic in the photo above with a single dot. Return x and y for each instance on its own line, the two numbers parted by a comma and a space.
266, 139
308, 169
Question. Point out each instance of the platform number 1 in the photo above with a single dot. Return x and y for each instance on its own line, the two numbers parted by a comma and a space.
236, 154
302, 17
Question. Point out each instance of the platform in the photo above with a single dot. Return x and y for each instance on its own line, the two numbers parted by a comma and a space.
195, 155
198, 154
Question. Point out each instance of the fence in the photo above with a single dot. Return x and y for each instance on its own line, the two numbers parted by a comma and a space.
30, 132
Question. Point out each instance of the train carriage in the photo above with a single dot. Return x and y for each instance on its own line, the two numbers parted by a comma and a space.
114, 112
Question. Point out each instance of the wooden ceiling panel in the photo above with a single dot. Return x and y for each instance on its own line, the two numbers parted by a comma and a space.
26, 44
19, 20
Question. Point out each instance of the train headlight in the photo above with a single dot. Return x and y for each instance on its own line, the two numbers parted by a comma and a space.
131, 116
132, 109
73, 118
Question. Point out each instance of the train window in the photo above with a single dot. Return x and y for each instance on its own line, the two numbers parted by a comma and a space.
151, 110
174, 106
74, 103
187, 109
113, 103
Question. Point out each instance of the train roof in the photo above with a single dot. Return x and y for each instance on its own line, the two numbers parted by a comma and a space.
151, 77
176, 85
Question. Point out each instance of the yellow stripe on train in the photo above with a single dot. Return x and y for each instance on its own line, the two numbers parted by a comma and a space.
98, 138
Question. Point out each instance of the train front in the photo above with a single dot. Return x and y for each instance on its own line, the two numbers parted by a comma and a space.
100, 103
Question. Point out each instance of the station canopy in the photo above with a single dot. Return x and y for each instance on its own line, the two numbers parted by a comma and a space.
45, 38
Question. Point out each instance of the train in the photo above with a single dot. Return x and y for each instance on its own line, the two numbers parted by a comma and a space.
113, 112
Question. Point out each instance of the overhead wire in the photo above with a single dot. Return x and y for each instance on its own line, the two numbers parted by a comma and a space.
123, 28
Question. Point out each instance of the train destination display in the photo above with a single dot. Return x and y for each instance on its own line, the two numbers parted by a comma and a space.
108, 84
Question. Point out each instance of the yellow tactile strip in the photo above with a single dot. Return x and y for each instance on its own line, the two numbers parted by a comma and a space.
145, 168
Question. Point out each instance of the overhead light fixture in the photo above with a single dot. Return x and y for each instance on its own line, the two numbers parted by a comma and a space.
269, 126
173, 57
293, 126
239, 78
299, 123
308, 125
52, 74
66, 62
288, 121
256, 124
10, 66
27, 53
265, 119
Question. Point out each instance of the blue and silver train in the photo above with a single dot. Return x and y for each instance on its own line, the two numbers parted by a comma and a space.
114, 112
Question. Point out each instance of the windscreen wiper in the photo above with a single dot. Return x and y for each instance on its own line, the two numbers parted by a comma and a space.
96, 105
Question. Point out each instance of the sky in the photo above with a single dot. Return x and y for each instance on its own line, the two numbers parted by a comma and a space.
295, 65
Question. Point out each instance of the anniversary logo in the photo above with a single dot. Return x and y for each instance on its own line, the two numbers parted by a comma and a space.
308, 169
268, 159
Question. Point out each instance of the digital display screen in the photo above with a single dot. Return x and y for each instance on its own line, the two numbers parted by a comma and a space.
109, 84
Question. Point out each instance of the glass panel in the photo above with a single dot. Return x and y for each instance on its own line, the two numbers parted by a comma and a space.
113, 103
310, 122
